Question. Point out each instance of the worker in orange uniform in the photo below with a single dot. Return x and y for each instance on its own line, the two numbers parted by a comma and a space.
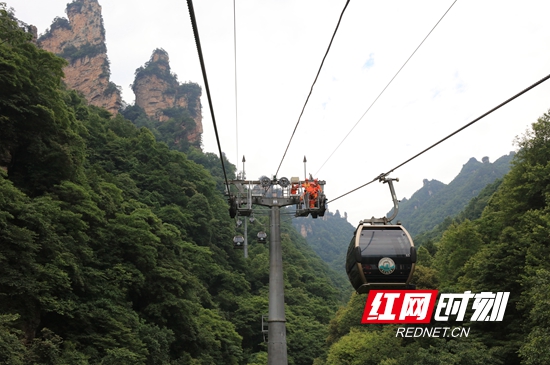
305, 185
312, 189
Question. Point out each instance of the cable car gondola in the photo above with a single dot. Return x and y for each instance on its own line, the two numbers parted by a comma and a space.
262, 237
238, 241
381, 255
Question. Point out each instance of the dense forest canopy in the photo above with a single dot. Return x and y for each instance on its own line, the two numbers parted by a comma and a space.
117, 249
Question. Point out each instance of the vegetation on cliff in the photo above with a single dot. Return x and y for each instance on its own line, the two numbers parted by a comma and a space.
158, 66
58, 23
72, 53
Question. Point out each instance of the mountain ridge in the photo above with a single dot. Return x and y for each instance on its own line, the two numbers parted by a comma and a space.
435, 201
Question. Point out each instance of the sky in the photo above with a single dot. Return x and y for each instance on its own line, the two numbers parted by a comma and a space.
480, 54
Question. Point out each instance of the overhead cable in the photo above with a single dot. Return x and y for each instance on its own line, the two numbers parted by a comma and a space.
314, 81
203, 68
447, 137
236, 104
389, 83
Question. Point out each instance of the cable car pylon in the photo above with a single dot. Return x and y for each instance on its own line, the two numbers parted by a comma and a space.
309, 198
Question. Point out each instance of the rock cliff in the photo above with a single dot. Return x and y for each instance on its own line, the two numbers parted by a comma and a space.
158, 91
81, 41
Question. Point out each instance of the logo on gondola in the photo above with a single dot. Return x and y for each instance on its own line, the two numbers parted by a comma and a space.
386, 266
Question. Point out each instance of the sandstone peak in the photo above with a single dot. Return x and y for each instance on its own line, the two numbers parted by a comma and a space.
80, 39
158, 91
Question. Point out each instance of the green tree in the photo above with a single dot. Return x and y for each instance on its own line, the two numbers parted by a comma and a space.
458, 243
361, 347
31, 100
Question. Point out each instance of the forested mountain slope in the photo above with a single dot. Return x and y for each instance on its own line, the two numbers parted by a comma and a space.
506, 249
115, 249
435, 201
472, 211
329, 237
